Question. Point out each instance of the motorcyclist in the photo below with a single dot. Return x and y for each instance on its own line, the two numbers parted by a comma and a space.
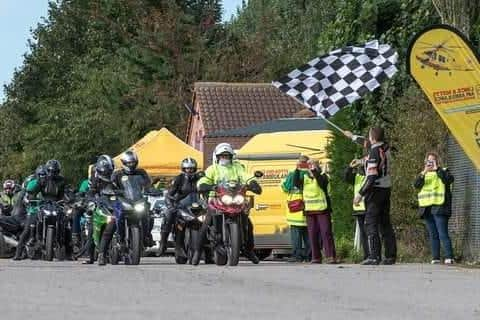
226, 168
24, 215
52, 188
8, 197
15, 222
99, 181
131, 175
182, 185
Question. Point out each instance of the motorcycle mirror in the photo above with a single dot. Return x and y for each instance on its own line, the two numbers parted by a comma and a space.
200, 174
258, 174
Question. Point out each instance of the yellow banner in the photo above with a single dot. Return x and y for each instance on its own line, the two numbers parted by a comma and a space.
446, 66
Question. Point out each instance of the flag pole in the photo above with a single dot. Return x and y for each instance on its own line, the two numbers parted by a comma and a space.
320, 116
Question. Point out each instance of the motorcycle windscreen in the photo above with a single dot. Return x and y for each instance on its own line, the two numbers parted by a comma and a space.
133, 187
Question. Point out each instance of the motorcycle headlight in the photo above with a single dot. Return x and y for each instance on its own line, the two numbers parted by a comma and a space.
50, 212
226, 199
201, 218
69, 211
238, 199
139, 207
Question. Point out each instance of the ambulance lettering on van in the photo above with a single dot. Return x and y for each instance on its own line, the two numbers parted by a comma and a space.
273, 176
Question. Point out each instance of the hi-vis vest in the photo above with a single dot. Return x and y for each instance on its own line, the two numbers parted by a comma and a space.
295, 218
359, 181
313, 196
433, 191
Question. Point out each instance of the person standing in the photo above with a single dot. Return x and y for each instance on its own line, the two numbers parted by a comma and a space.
295, 216
435, 205
376, 191
355, 175
314, 186
8, 197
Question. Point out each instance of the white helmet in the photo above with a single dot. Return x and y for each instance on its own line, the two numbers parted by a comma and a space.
223, 148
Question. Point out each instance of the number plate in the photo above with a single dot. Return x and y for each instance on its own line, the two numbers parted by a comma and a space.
156, 235
157, 222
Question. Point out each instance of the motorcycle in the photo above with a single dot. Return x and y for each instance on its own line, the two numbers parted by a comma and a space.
227, 232
10, 232
9, 236
50, 230
135, 210
191, 213
102, 217
72, 206
156, 201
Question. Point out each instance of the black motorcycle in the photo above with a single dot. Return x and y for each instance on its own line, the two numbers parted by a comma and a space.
135, 210
50, 232
191, 213
9, 236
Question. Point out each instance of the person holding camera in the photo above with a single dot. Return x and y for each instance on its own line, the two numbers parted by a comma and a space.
435, 205
314, 186
295, 216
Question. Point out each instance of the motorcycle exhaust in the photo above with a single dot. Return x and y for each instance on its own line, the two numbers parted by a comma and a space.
10, 241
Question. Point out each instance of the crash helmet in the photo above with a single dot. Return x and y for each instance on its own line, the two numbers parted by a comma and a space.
189, 166
104, 167
9, 187
106, 158
53, 168
129, 161
41, 172
221, 150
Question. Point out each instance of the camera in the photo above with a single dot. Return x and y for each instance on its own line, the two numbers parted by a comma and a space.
430, 163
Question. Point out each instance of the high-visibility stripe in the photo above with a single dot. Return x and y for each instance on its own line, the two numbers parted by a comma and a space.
433, 191
313, 195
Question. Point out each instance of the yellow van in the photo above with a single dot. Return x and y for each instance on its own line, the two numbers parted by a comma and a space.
275, 154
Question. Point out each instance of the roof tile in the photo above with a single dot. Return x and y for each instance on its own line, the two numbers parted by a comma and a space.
224, 106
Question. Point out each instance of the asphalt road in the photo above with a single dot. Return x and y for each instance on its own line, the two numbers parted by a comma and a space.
159, 289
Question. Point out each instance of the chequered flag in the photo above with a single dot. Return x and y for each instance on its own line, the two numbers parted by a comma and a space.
330, 82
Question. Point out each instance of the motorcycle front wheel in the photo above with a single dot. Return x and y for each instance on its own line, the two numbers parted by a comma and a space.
49, 244
135, 245
233, 244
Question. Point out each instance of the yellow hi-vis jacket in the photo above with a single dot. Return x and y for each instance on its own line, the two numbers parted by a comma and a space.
359, 181
217, 173
313, 196
432, 192
295, 218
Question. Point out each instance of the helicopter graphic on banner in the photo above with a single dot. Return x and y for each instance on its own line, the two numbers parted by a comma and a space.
442, 57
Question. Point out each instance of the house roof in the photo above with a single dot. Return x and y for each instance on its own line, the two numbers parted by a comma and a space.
279, 125
224, 106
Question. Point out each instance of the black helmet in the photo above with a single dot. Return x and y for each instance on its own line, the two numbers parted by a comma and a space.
104, 167
41, 172
53, 168
129, 161
189, 166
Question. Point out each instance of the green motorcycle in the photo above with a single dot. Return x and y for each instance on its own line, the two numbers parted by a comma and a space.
103, 217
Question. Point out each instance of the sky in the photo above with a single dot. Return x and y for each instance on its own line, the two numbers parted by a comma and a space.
18, 17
